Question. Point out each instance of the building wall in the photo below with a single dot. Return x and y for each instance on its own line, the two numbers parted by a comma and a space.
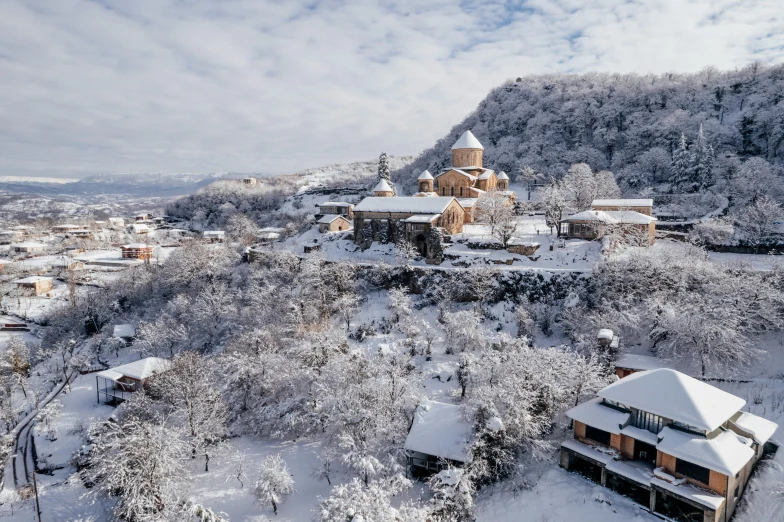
615, 441
137, 253
585, 229
426, 185
627, 447
466, 158
335, 226
453, 179
579, 430
452, 218
641, 210
717, 482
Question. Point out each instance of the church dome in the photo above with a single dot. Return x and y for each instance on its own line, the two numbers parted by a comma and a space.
502, 175
382, 186
467, 141
425, 175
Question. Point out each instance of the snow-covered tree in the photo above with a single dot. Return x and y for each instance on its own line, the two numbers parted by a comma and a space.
529, 176
758, 221
702, 157
452, 496
493, 208
554, 203
581, 186
384, 171
274, 483
241, 228
680, 168
356, 502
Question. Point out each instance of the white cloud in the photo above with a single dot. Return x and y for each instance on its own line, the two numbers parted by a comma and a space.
276, 86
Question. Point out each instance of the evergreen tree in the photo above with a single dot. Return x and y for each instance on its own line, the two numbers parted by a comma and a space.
701, 161
384, 171
680, 167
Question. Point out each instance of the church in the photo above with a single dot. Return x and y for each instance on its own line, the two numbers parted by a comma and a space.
467, 179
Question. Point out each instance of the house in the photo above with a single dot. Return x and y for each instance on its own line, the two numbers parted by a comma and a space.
66, 263
81, 233
28, 247
643, 206
333, 223
10, 236
339, 208
62, 229
126, 332
116, 223
595, 224
439, 438
137, 251
628, 363
384, 219
34, 285
143, 217
214, 236
141, 229
117, 384
249, 181
677, 445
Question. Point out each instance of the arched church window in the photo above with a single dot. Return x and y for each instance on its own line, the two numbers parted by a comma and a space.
452, 192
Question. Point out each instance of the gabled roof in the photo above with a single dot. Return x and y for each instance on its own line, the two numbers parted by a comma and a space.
598, 216
422, 218
334, 204
440, 430
382, 186
137, 245
726, 453
502, 175
138, 370
622, 203
459, 171
329, 218
467, 141
425, 175
675, 396
630, 217
486, 174
124, 330
411, 205
30, 280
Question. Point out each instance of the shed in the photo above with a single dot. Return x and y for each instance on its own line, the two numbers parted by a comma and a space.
34, 285
27, 247
629, 363
439, 437
333, 223
117, 384
214, 236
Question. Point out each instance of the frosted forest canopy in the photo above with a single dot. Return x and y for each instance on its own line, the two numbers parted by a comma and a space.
627, 123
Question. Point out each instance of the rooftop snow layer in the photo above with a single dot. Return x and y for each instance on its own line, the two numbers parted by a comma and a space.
486, 174
137, 245
440, 430
762, 429
138, 370
594, 413
382, 186
700, 496
467, 141
328, 218
726, 453
675, 396
124, 330
622, 203
603, 455
605, 333
30, 280
334, 204
640, 434
425, 175
638, 362
459, 171
502, 175
404, 205
591, 215
630, 217
422, 218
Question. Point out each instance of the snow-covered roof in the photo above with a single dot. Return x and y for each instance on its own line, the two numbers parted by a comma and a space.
622, 203
486, 174
605, 333
630, 217
404, 205
591, 215
425, 175
422, 218
329, 218
459, 171
726, 453
638, 362
594, 413
502, 175
66, 225
761, 429
31, 279
675, 396
115, 219
139, 370
698, 495
640, 434
467, 202
137, 245
213, 233
140, 226
27, 244
382, 186
335, 204
467, 141
440, 430
603, 455
124, 330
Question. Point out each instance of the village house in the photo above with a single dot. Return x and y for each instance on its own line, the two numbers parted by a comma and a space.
116, 223
214, 236
118, 384
82, 233
33, 285
336, 208
333, 223
249, 181
643, 206
65, 228
466, 179
595, 224
136, 251
439, 438
10, 236
66, 263
28, 247
143, 216
141, 229
677, 445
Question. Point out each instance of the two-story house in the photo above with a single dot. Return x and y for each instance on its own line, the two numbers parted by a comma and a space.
677, 445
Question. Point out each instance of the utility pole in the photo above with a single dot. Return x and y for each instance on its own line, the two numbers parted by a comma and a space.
37, 504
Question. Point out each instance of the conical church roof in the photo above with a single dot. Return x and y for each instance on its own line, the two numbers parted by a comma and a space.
382, 186
467, 141
425, 175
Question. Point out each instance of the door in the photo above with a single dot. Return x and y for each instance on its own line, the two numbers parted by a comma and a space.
643, 451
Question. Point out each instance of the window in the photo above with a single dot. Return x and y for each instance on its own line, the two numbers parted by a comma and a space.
595, 434
692, 470
452, 191
647, 421
737, 492
461, 191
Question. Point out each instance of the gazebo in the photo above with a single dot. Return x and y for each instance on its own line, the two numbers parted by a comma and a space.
118, 384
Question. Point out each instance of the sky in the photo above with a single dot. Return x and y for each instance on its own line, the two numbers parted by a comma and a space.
130, 86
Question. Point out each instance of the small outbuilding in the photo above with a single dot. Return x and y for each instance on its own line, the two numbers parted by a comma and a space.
333, 223
249, 181
214, 236
340, 208
439, 438
629, 363
116, 385
34, 285
28, 247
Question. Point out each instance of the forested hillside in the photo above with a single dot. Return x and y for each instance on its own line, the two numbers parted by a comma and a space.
629, 124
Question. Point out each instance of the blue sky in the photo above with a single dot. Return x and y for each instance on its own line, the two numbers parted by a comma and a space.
88, 87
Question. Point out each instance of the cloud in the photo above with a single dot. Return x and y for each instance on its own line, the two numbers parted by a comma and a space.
88, 87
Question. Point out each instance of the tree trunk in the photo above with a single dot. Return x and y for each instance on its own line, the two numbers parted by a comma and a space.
274, 507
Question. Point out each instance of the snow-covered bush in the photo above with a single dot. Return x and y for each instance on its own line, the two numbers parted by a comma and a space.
274, 482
